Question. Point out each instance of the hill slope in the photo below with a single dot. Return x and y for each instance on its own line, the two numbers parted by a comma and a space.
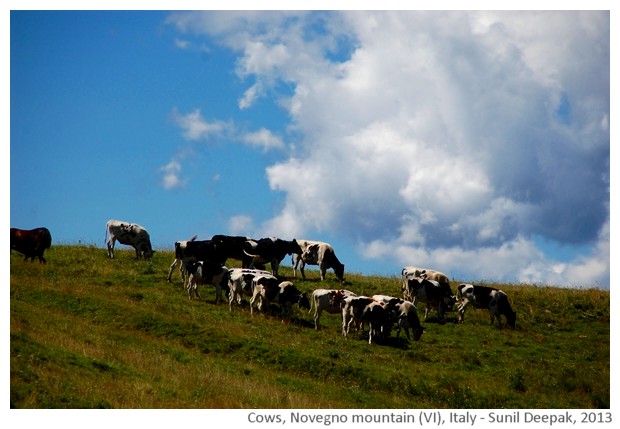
90, 332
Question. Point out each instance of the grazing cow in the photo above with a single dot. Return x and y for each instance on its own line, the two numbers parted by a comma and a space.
327, 300
415, 272
204, 273
231, 247
495, 300
360, 310
405, 315
352, 308
317, 253
270, 251
378, 320
130, 234
31, 242
435, 295
179, 254
241, 283
267, 290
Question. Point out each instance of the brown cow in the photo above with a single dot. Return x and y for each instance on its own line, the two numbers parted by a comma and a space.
31, 243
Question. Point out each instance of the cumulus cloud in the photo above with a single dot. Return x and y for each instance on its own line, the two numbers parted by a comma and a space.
171, 175
263, 138
446, 139
195, 127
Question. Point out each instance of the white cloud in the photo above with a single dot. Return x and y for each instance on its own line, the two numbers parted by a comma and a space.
240, 225
447, 137
263, 138
171, 175
195, 127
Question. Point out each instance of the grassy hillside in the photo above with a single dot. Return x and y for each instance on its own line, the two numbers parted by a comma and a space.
90, 332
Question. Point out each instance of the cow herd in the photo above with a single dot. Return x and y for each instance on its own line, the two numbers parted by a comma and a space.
202, 262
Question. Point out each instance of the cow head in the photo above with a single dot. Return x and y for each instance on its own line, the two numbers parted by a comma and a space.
339, 271
417, 333
303, 302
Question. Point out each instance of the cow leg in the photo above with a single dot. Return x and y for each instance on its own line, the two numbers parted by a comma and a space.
111, 247
461, 309
323, 272
172, 267
302, 264
296, 259
317, 316
255, 296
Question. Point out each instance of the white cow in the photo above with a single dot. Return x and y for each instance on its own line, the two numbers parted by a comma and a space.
241, 283
130, 234
179, 248
317, 253
327, 300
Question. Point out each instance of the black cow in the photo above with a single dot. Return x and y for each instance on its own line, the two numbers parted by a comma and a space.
495, 300
202, 250
270, 251
31, 242
232, 247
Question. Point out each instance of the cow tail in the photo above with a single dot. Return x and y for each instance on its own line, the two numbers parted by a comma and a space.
105, 238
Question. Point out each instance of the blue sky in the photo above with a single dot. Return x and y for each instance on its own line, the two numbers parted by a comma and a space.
475, 143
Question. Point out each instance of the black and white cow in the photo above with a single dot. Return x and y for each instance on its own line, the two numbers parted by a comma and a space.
241, 283
206, 273
270, 251
179, 258
495, 300
130, 234
327, 300
433, 294
405, 316
266, 290
317, 253
360, 310
411, 272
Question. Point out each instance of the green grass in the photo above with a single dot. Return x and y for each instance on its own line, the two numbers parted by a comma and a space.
90, 332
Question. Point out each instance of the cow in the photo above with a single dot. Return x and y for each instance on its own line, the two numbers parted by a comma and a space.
203, 250
241, 283
416, 272
378, 320
405, 315
360, 310
495, 300
179, 254
433, 294
317, 253
130, 234
266, 290
203, 273
270, 251
31, 243
231, 247
327, 300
